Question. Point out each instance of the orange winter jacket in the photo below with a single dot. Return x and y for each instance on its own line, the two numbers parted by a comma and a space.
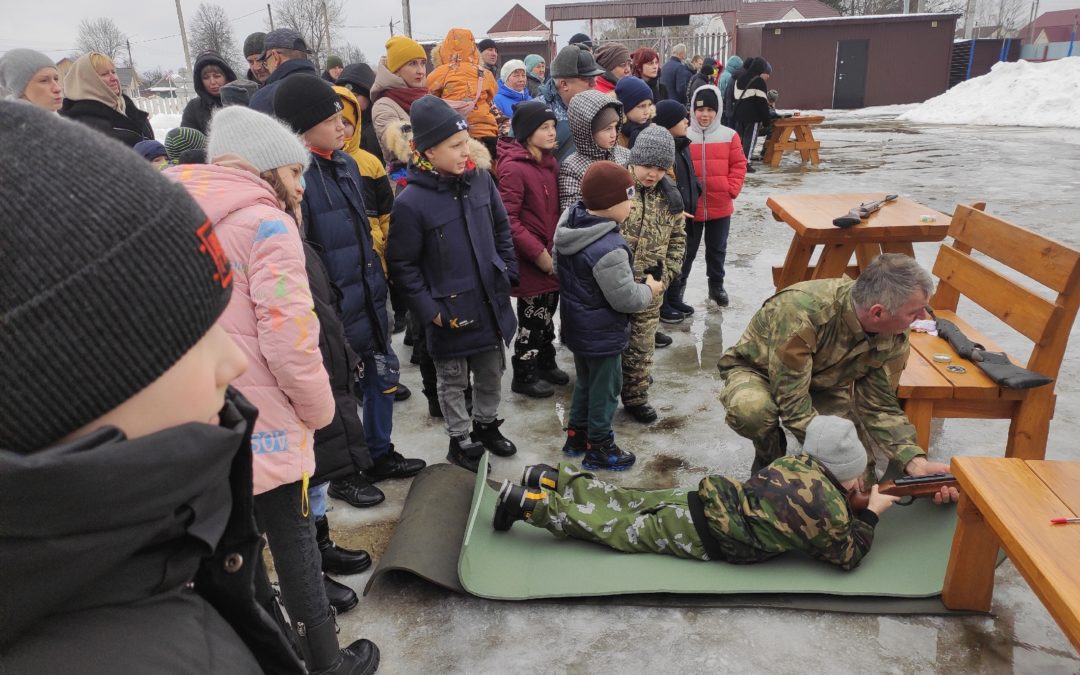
458, 76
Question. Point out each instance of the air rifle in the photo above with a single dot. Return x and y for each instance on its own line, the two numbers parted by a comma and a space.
862, 212
908, 486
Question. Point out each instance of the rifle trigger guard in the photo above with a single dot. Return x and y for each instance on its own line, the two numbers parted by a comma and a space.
906, 501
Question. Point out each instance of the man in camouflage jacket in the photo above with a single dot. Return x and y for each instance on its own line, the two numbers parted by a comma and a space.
830, 347
797, 503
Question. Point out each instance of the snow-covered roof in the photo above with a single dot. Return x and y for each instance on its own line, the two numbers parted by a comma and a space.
867, 18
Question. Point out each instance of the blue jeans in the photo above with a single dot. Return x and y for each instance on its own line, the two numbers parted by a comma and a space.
378, 375
317, 499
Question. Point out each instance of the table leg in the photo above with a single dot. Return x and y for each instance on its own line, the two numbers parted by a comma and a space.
776, 150
904, 247
920, 413
969, 577
809, 151
865, 254
798, 259
833, 261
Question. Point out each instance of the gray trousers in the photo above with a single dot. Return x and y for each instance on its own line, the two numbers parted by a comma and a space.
453, 377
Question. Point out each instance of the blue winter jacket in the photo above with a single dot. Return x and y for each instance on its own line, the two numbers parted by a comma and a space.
507, 98
596, 284
450, 251
675, 75
564, 140
335, 222
263, 99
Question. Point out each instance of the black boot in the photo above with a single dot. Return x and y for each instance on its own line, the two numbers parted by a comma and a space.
402, 393
643, 413
337, 560
356, 490
661, 340
539, 476
674, 296
341, 597
394, 465
514, 503
547, 369
465, 452
488, 435
319, 647
577, 442
526, 381
433, 407
718, 294
607, 455
669, 314
401, 322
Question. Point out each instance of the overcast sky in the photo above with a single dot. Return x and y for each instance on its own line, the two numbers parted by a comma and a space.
151, 25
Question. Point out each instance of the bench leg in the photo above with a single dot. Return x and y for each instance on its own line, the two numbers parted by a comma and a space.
969, 578
1030, 425
920, 414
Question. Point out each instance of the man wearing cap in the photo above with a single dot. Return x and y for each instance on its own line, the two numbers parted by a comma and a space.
334, 68
284, 54
489, 56
573, 71
253, 51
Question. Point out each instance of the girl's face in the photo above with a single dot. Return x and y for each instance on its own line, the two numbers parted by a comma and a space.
328, 135
640, 113
108, 75
452, 155
516, 80
44, 91
349, 128
292, 177
413, 72
213, 80
704, 116
607, 137
651, 69
544, 136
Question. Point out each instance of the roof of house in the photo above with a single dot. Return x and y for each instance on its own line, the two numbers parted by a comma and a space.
840, 20
775, 10
1057, 25
517, 20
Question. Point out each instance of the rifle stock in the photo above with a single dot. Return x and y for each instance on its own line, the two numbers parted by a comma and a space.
908, 486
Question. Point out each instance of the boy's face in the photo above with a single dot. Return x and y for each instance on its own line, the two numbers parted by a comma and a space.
545, 136
607, 137
648, 175
193, 390
704, 116
679, 130
328, 135
640, 113
160, 163
452, 155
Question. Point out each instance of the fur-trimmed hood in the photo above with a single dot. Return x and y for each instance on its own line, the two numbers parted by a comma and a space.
398, 139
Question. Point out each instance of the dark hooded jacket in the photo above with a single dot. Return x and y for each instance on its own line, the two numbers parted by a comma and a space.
451, 253
148, 559
687, 182
130, 128
263, 100
751, 93
199, 109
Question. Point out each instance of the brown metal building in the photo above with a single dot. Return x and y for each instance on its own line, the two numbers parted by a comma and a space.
853, 61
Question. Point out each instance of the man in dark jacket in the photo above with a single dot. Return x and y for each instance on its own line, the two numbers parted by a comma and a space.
675, 75
573, 71
752, 103
706, 74
358, 78
285, 54
672, 116
211, 74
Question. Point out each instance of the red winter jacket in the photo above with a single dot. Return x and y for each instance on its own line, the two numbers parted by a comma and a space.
530, 193
719, 164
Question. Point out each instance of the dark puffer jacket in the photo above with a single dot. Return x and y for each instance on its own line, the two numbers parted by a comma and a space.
751, 94
340, 448
263, 100
148, 560
129, 128
451, 252
689, 187
199, 109
530, 193
335, 219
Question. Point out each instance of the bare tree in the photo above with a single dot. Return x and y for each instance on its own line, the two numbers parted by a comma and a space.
310, 18
211, 31
100, 35
1002, 18
350, 53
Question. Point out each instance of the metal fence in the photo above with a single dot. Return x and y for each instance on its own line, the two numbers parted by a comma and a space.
1050, 51
715, 45
164, 106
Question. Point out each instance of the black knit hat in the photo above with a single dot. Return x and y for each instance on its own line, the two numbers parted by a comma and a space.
433, 121
357, 78
101, 292
486, 43
669, 113
528, 116
303, 100
706, 98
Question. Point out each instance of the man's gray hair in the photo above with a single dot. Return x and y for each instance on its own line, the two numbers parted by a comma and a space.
678, 49
892, 279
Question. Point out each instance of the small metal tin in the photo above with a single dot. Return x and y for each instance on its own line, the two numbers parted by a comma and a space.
956, 369
942, 358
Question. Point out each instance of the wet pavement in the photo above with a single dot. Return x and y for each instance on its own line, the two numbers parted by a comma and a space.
1028, 176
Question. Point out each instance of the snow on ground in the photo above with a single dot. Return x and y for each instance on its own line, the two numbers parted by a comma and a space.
162, 123
1022, 94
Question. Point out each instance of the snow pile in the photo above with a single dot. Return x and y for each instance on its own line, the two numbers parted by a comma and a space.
1021, 94
163, 123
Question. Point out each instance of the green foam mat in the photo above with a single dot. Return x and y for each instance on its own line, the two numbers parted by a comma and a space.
908, 560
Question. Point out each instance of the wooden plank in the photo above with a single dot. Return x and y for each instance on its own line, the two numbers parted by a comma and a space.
1050, 263
920, 380
1063, 479
969, 576
973, 382
796, 263
975, 408
920, 413
811, 216
1018, 307
1030, 426
1018, 506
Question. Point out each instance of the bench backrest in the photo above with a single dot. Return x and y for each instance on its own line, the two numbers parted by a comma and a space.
1046, 323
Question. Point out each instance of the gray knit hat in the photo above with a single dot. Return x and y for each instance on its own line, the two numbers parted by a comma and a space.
654, 146
834, 442
253, 44
17, 67
263, 141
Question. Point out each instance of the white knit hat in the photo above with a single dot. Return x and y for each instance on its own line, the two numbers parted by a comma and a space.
510, 66
260, 139
834, 442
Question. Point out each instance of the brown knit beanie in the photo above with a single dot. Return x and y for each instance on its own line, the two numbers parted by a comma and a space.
606, 184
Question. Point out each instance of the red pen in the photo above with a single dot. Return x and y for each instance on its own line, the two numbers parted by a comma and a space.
1062, 521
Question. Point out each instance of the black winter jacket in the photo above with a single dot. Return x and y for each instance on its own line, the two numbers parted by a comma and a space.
198, 110
687, 182
129, 129
263, 100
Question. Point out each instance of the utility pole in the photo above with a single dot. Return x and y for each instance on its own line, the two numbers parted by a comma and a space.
183, 38
969, 16
271, 15
326, 27
131, 63
406, 18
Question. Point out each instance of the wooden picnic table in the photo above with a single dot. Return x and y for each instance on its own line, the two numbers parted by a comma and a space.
1009, 502
780, 141
893, 229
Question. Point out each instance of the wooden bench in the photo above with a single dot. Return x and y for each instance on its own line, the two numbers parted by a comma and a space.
779, 140
1009, 503
928, 389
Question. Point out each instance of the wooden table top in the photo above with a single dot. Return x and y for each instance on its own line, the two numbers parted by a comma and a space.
796, 120
811, 217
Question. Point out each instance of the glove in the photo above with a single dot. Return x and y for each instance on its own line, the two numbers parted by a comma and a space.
1004, 372
657, 270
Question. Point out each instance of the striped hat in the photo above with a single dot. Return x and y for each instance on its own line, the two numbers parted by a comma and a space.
180, 140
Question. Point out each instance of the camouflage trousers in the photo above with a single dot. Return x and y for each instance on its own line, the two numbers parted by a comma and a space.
638, 356
752, 413
632, 521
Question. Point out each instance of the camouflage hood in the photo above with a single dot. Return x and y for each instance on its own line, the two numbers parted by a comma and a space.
584, 107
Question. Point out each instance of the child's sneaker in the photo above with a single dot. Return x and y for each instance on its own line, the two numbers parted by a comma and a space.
607, 455
514, 503
465, 453
576, 442
491, 438
540, 476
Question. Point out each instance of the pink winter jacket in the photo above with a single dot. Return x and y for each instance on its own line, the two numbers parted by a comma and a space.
270, 316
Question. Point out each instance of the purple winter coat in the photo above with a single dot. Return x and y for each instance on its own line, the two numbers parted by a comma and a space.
530, 192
